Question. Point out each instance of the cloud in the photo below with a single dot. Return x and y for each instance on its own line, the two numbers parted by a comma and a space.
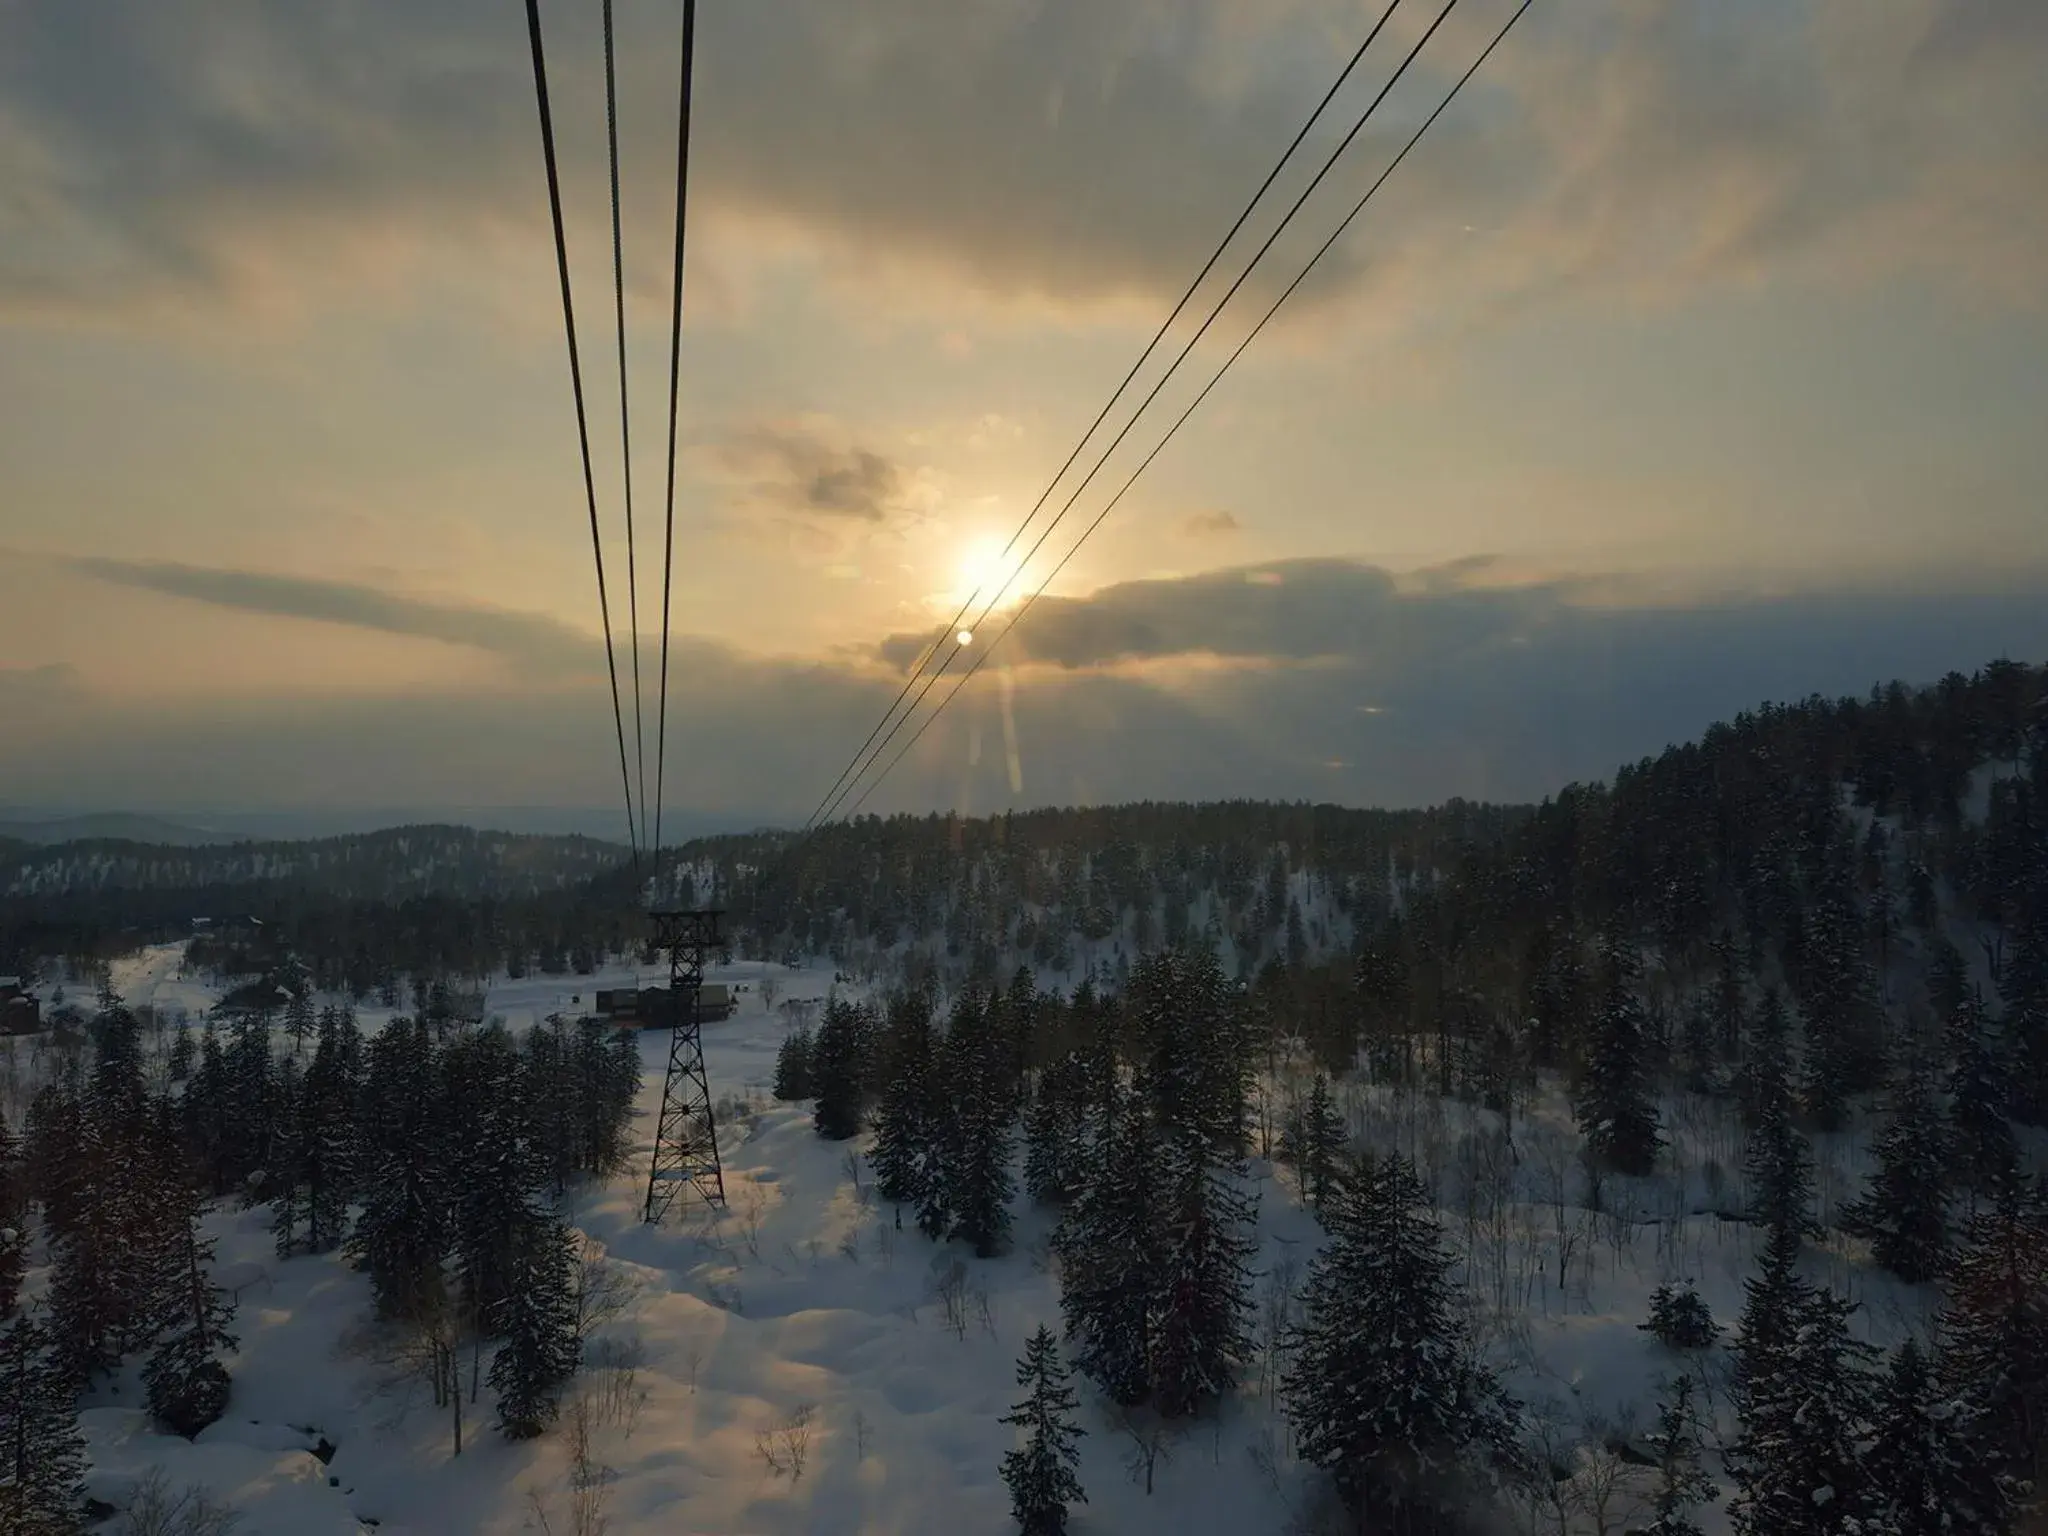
811, 478
1288, 611
533, 640
1205, 525
1072, 154
1344, 683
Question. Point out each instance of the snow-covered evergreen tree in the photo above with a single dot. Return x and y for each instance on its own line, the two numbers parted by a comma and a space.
910, 1116
838, 1073
793, 1065
1682, 1486
1040, 1472
1805, 1396
1994, 1340
1777, 1162
1680, 1318
1616, 1108
186, 1383
13, 1218
1054, 1131
537, 1315
1982, 1154
42, 1453
976, 1158
1927, 1480
1904, 1212
1382, 1389
1316, 1143
1201, 1331
1112, 1249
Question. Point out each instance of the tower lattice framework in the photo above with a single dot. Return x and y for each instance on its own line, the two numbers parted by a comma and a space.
685, 1139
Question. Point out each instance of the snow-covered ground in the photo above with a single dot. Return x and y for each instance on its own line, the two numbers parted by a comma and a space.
804, 1298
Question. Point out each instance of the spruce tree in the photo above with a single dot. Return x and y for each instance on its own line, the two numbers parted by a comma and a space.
1381, 1387
793, 1065
1682, 1486
1318, 1144
909, 1117
1994, 1339
1201, 1333
1905, 1211
186, 1383
1112, 1249
42, 1452
838, 1072
1616, 1109
537, 1315
13, 1219
1927, 1480
1054, 1131
976, 1159
1040, 1472
404, 1232
1804, 1394
330, 1146
1776, 1159
1982, 1154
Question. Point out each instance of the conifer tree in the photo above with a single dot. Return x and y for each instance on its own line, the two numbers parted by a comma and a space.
1318, 1143
13, 1219
186, 1383
184, 1050
1776, 1160
1680, 1318
1905, 1211
1994, 1340
537, 1315
1202, 1332
1926, 1479
42, 1452
976, 1158
405, 1230
1040, 1472
330, 1144
1805, 1397
837, 1071
1381, 1388
1682, 1486
285, 1180
793, 1065
1054, 1130
1112, 1249
908, 1118
1616, 1109
1982, 1154
299, 1020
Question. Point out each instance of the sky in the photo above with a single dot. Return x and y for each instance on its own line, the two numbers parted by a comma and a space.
1696, 356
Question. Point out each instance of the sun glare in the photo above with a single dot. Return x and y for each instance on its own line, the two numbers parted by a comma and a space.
983, 570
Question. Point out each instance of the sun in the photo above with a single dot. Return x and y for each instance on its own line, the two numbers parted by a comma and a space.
983, 570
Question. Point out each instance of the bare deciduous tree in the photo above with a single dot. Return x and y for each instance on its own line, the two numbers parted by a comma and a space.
786, 1448
153, 1510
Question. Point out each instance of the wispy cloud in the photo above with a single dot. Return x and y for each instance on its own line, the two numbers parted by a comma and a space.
528, 639
1210, 525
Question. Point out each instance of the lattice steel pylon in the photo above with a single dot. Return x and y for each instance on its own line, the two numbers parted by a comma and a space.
685, 1140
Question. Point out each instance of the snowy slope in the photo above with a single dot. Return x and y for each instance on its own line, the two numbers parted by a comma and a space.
804, 1295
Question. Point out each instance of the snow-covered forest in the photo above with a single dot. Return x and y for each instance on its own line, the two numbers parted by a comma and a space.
1666, 1157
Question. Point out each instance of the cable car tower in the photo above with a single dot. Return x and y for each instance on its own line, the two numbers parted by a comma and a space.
685, 1139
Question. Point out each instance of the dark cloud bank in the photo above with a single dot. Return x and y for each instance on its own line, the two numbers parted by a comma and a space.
1336, 681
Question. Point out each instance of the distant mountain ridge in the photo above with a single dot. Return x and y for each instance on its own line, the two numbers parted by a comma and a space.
390, 865
125, 826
